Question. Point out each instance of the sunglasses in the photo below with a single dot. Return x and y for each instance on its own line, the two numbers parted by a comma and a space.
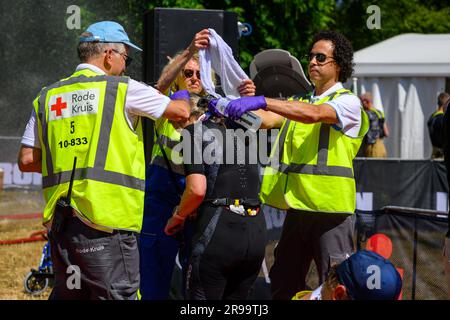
320, 57
127, 58
188, 73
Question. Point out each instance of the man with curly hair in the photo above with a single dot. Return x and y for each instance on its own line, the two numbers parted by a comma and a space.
313, 180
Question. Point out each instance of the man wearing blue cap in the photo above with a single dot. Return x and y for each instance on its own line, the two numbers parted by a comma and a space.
365, 275
87, 129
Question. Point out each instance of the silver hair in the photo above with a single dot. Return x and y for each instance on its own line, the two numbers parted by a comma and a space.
91, 50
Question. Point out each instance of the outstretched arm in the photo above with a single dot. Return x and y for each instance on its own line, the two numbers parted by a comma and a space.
30, 159
302, 112
293, 110
169, 74
269, 119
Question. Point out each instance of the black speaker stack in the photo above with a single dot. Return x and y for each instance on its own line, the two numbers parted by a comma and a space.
168, 31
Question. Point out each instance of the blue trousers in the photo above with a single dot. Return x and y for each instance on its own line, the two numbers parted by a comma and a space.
157, 256
157, 250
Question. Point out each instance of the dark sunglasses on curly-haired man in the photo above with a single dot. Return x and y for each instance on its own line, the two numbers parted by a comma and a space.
320, 57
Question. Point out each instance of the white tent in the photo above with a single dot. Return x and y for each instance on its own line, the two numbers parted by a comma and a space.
405, 75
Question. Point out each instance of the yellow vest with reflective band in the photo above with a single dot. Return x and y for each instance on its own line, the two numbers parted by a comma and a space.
436, 113
84, 116
315, 171
301, 294
169, 137
379, 113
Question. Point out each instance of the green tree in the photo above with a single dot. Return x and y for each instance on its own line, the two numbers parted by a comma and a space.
290, 24
397, 17
287, 25
280, 24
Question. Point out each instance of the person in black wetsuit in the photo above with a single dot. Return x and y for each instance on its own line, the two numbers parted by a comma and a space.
222, 185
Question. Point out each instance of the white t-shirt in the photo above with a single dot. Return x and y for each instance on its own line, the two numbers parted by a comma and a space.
141, 100
348, 110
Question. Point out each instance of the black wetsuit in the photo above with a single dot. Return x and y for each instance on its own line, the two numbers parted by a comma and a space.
227, 248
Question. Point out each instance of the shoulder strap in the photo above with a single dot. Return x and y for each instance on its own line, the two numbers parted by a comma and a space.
339, 92
378, 113
301, 96
307, 96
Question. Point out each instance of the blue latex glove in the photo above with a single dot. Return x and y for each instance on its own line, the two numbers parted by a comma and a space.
236, 108
180, 95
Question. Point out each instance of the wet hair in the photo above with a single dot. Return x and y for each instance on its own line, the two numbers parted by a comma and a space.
332, 280
366, 95
196, 111
89, 50
342, 52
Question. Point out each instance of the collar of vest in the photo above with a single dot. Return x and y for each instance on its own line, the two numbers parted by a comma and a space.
377, 112
330, 96
437, 113
87, 72
83, 75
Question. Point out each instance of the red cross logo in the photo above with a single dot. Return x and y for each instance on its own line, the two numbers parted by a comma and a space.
58, 106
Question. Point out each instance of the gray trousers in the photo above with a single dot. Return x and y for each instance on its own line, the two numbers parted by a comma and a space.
326, 238
91, 264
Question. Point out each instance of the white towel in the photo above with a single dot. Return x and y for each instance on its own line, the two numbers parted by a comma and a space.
219, 56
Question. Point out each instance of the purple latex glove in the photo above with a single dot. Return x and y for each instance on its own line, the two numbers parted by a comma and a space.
236, 108
180, 95
212, 108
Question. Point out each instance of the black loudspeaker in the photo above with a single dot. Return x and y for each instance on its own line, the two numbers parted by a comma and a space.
168, 31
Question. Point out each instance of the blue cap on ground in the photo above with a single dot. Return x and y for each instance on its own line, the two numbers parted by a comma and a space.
368, 276
108, 31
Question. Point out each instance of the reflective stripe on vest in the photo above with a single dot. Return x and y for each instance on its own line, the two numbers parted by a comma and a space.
379, 113
277, 190
322, 157
109, 180
169, 137
322, 152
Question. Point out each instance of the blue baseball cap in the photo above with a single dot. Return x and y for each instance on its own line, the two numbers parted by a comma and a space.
368, 276
108, 31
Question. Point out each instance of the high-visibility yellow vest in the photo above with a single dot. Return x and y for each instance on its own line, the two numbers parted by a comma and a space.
315, 166
436, 113
168, 137
379, 113
301, 294
83, 116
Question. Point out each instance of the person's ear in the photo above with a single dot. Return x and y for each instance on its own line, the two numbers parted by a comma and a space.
338, 70
107, 61
340, 293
